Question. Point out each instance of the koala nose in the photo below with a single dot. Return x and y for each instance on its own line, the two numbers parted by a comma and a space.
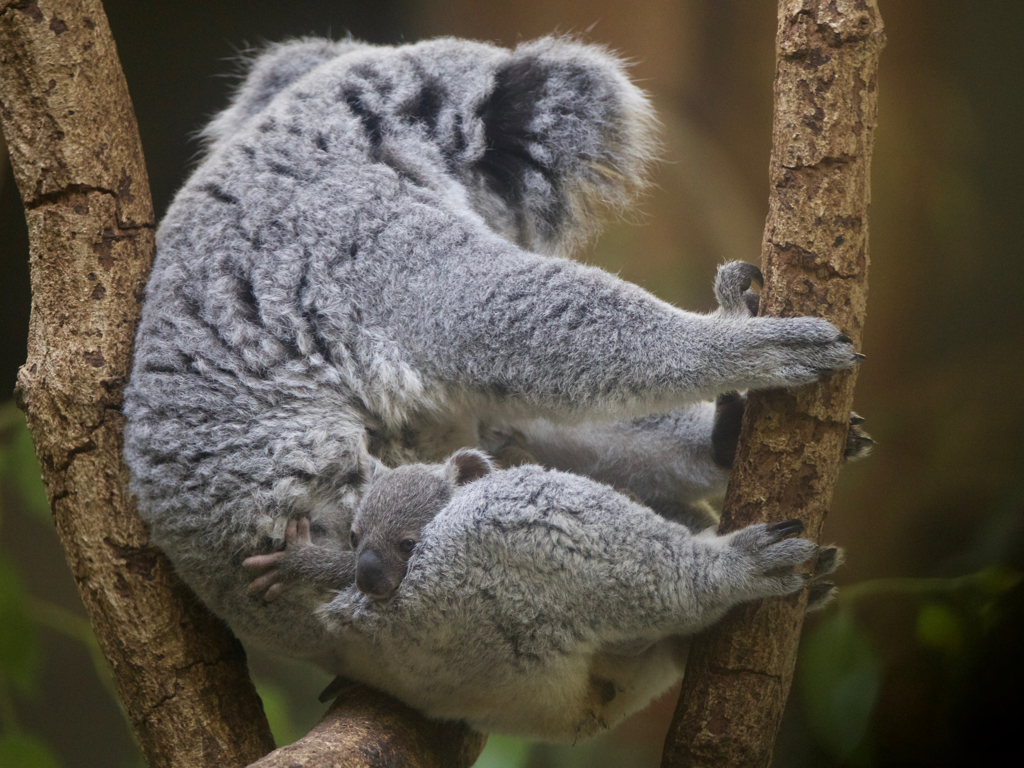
371, 577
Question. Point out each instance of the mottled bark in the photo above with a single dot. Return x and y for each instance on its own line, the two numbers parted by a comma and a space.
815, 258
368, 729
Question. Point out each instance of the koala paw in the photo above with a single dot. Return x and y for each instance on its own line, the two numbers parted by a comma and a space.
819, 592
732, 288
768, 553
275, 566
793, 351
725, 433
858, 442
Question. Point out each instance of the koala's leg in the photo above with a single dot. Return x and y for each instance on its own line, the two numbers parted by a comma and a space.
672, 462
634, 575
688, 588
667, 461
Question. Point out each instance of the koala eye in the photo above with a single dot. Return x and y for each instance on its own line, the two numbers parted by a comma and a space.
407, 546
353, 539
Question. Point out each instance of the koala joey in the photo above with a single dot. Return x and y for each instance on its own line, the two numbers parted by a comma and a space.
388, 522
540, 603
367, 270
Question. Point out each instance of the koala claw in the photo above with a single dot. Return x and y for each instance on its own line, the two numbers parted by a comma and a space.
819, 595
858, 442
786, 529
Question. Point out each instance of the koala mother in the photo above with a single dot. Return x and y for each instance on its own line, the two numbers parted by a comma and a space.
366, 271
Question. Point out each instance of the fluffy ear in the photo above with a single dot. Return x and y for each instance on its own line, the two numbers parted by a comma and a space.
468, 465
565, 129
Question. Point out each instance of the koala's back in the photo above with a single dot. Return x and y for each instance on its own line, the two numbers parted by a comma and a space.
260, 359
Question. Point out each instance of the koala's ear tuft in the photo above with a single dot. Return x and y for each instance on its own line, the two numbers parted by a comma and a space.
468, 465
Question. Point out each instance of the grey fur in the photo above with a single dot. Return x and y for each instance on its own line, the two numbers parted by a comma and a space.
364, 272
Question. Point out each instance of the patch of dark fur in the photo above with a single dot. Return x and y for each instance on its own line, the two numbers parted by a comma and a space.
220, 195
371, 121
507, 114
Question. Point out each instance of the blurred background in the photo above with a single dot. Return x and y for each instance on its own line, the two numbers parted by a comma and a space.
918, 662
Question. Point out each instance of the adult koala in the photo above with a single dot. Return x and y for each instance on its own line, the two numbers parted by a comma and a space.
364, 272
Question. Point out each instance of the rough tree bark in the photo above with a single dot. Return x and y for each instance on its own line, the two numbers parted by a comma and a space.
77, 159
368, 729
815, 259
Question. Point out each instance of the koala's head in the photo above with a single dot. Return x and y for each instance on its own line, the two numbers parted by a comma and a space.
395, 507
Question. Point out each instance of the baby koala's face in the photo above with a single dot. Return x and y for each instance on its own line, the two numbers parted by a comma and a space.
395, 507
389, 522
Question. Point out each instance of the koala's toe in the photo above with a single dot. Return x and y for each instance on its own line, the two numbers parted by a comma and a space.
819, 595
732, 287
829, 559
858, 442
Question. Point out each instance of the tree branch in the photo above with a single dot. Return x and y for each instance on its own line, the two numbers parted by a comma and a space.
365, 728
815, 258
78, 162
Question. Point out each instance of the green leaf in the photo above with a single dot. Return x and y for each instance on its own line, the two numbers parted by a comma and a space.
24, 751
939, 627
839, 675
19, 657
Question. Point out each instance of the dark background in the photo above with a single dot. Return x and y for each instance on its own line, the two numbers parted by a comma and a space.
941, 498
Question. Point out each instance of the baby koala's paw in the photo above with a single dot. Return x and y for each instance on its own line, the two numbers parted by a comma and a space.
278, 567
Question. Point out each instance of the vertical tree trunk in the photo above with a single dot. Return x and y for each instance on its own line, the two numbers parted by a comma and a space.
815, 254
78, 162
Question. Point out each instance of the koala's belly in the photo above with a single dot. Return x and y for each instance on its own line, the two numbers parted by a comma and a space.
571, 697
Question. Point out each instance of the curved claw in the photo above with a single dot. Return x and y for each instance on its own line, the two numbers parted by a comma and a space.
786, 528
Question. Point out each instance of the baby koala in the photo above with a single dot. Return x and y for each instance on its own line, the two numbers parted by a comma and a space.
396, 505
392, 513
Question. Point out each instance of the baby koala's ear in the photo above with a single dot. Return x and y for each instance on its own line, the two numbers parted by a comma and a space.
468, 465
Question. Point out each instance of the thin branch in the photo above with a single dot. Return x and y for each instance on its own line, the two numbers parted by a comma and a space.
815, 254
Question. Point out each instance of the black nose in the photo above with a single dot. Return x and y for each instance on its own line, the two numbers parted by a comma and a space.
371, 577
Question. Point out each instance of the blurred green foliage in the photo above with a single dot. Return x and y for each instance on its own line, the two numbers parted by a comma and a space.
840, 676
19, 651
944, 629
